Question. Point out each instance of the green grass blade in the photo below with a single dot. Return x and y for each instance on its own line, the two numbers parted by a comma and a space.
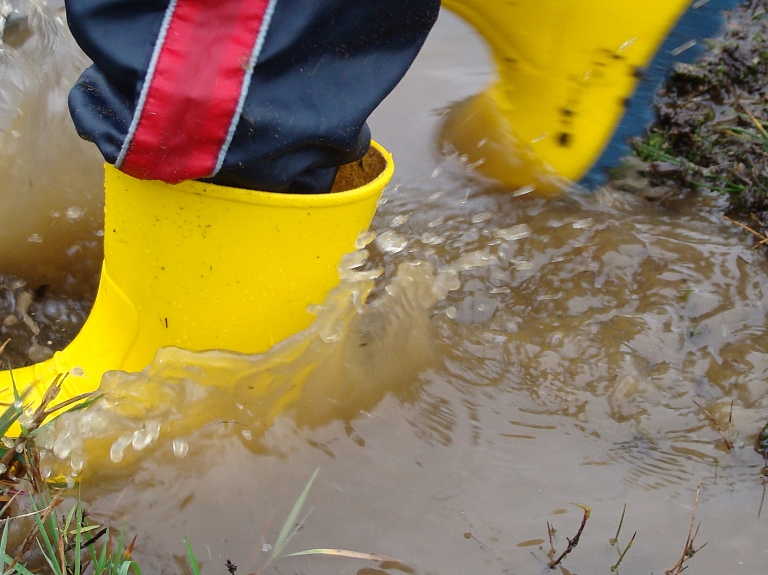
128, 566
286, 530
298, 527
12, 413
18, 568
192, 559
4, 543
52, 560
78, 535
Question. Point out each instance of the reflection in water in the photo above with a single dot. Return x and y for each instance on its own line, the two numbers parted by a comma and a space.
488, 359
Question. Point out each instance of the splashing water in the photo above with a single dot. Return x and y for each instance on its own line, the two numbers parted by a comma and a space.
51, 200
459, 393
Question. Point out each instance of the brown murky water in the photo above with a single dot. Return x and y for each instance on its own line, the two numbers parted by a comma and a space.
515, 355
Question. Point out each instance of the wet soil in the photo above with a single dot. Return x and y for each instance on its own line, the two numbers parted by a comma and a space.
34, 322
712, 123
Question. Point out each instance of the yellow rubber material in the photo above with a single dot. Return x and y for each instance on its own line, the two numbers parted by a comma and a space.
565, 69
201, 266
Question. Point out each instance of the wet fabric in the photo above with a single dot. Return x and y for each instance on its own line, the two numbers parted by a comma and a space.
259, 94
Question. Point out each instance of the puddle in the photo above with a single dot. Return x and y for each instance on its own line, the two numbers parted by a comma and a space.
515, 355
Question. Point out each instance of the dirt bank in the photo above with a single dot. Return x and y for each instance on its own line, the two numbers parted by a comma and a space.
712, 119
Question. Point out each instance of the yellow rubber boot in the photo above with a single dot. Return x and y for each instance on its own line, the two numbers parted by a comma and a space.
201, 266
565, 70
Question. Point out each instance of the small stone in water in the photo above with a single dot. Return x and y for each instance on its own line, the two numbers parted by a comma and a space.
438, 222
451, 312
180, 447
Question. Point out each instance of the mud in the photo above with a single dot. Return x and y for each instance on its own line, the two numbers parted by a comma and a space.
359, 173
713, 116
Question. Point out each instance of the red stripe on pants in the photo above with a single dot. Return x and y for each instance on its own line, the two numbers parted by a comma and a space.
195, 89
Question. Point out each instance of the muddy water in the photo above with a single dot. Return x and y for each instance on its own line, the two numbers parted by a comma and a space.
515, 355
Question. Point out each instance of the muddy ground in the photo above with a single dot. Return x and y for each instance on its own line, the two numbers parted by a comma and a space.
712, 119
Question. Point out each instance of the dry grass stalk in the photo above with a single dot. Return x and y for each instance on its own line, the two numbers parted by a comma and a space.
713, 421
572, 543
689, 550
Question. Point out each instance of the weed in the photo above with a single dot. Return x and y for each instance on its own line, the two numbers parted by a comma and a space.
689, 551
572, 543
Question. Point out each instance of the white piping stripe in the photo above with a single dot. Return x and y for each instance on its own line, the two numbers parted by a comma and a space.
246, 84
147, 81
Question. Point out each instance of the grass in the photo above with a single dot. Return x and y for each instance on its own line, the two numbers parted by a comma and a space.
69, 543
712, 120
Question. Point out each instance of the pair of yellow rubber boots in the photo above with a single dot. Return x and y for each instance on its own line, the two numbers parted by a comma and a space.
201, 266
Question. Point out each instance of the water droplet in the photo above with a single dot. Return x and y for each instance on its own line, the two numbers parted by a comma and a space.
141, 439
522, 265
35, 239
431, 239
117, 451
523, 191
585, 223
3, 468
74, 213
627, 44
436, 172
364, 239
451, 312
266, 548
239, 405
77, 371
398, 221
18, 404
180, 447
247, 434
513, 233
391, 243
